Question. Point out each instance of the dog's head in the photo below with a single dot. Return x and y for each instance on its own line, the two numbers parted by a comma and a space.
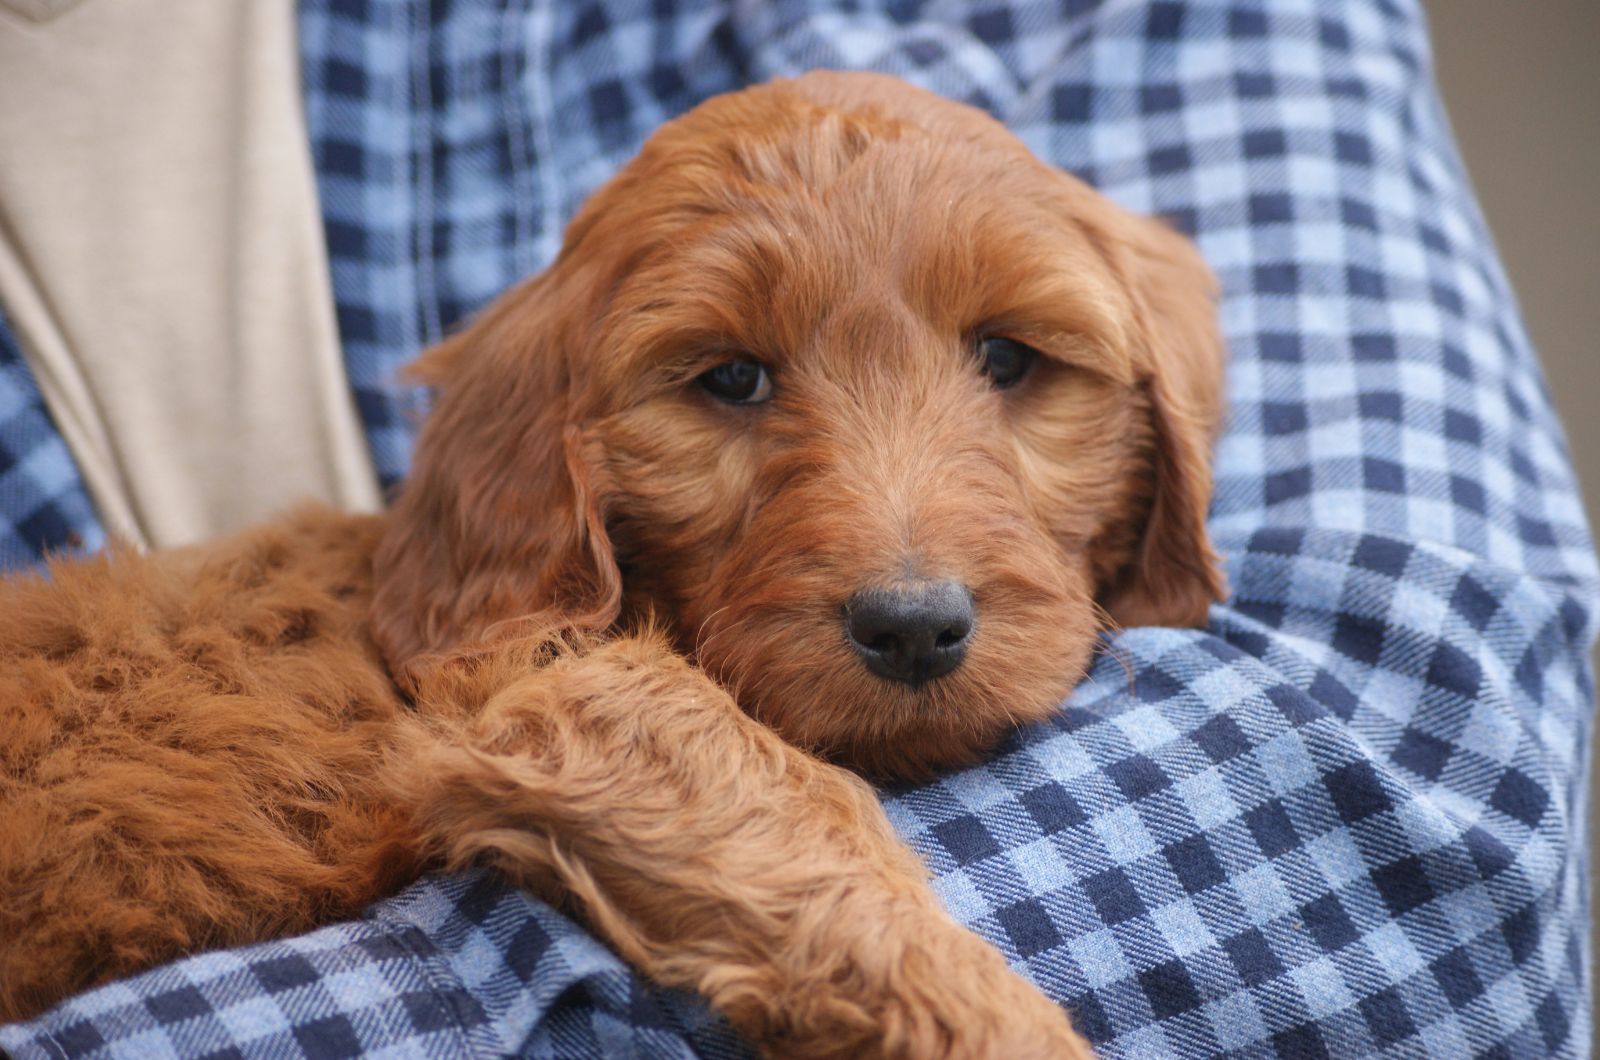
881, 415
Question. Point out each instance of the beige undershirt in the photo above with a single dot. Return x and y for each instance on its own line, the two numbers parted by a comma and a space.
162, 261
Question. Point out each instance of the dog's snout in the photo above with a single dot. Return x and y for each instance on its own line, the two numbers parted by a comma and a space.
911, 633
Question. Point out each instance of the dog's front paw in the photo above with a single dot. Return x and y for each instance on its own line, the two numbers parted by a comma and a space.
716, 857
1019, 1023
905, 982
979, 1009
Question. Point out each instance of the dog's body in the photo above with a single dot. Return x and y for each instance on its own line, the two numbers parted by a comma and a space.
836, 392
211, 753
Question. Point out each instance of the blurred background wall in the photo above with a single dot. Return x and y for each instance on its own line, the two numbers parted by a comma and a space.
1521, 81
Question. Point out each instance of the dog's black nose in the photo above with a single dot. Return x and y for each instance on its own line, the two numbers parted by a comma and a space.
913, 633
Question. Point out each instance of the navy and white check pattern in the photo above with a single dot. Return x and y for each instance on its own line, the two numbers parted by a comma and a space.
1345, 820
43, 505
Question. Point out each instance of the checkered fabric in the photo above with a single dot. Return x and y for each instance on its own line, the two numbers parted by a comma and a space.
454, 967
1346, 819
43, 506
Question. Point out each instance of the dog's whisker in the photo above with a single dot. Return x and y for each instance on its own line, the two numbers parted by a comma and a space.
702, 642
1106, 644
701, 629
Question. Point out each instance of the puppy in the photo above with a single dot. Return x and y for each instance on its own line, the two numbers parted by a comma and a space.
836, 433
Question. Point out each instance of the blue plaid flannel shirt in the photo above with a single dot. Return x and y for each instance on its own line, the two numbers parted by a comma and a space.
1346, 819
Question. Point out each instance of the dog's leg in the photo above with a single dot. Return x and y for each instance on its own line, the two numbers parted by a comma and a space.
716, 857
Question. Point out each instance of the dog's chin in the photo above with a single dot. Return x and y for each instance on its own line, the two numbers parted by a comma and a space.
887, 730
788, 664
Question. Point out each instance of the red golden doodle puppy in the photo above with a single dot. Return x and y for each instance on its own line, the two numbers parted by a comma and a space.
836, 433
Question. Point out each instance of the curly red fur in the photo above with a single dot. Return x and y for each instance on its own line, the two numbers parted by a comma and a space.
596, 642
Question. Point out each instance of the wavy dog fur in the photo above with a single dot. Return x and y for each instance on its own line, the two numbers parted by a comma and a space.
597, 643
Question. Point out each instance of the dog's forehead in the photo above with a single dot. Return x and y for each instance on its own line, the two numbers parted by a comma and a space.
790, 228
901, 235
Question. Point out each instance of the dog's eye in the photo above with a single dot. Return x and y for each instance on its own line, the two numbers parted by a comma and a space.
739, 382
1004, 361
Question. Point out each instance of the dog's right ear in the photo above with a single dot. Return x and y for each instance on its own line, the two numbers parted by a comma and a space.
1179, 359
500, 518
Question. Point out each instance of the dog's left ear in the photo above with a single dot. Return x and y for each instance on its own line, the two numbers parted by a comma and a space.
1178, 359
501, 517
